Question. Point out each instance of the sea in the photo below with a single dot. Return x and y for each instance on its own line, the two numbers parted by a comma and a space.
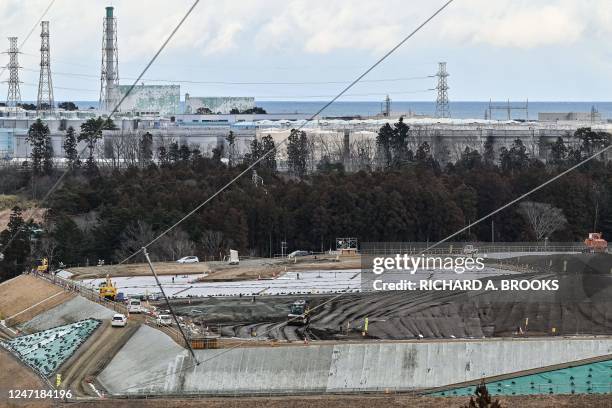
458, 109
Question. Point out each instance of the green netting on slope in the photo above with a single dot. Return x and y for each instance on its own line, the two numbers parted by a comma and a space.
45, 351
591, 378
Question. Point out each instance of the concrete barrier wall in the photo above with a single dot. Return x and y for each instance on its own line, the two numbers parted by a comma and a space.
152, 362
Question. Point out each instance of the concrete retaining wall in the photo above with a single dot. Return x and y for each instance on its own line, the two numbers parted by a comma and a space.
152, 362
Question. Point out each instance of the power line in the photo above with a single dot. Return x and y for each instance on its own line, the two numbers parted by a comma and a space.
61, 178
27, 37
328, 301
310, 119
265, 83
378, 62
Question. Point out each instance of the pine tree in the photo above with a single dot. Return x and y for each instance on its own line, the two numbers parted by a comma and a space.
173, 152
383, 142
39, 138
184, 153
558, 151
231, 148
297, 152
267, 145
489, 151
146, 148
70, 149
15, 245
91, 131
162, 155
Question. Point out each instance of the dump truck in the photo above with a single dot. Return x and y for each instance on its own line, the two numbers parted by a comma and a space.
107, 289
299, 313
596, 243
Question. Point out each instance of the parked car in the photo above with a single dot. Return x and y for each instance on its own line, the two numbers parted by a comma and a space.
188, 259
164, 320
295, 254
119, 320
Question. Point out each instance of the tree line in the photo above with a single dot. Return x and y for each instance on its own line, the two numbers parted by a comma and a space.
408, 196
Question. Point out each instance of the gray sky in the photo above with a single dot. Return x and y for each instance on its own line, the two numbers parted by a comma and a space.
517, 49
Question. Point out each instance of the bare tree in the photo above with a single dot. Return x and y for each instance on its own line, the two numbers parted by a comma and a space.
134, 237
212, 241
543, 218
176, 244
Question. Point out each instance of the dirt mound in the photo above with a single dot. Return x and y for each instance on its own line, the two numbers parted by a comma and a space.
140, 269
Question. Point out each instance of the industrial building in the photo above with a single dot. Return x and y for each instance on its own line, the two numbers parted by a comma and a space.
147, 100
217, 104
592, 116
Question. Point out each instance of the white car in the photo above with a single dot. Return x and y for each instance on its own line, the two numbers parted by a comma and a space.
164, 320
188, 259
119, 320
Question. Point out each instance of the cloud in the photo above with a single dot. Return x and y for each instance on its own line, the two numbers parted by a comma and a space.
514, 24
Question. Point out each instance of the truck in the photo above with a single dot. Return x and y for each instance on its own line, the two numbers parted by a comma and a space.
299, 313
135, 306
595, 242
233, 258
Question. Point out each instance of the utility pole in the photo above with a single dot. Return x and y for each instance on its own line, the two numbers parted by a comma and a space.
442, 104
45, 101
178, 325
14, 94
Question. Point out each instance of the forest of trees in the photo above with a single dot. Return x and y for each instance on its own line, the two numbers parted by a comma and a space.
409, 197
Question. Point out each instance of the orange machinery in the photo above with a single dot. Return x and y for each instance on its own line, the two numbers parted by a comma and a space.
595, 242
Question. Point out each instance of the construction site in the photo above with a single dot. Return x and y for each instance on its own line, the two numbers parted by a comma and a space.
413, 346
305, 328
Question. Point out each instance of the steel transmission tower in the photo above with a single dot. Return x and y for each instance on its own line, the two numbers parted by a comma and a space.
110, 61
45, 101
442, 105
14, 94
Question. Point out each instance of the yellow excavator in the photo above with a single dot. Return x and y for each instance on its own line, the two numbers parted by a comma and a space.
107, 289
42, 265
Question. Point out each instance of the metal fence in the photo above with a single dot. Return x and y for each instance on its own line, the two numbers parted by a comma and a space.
82, 290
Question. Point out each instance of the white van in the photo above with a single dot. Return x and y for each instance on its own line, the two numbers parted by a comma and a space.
135, 306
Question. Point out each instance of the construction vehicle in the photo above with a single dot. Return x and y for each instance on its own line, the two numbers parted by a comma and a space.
596, 243
107, 289
299, 313
42, 265
233, 258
